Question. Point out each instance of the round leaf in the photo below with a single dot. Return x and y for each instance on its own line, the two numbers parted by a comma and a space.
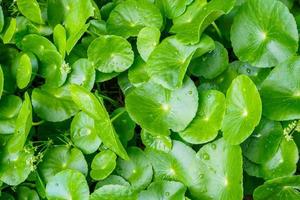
208, 120
53, 105
84, 133
282, 163
129, 17
157, 109
67, 184
271, 35
137, 171
280, 189
110, 54
156, 142
200, 14
211, 64
15, 167
222, 172
114, 192
59, 158
10, 106
25, 193
180, 164
164, 190
262, 145
103, 165
173, 8
83, 73
168, 62
243, 110
281, 91
147, 40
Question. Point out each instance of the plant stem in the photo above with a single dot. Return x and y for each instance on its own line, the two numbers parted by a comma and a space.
38, 123
217, 29
117, 115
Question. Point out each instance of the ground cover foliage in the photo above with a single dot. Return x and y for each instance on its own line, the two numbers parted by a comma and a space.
149, 99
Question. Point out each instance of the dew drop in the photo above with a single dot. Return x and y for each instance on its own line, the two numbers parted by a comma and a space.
213, 146
201, 176
248, 70
167, 194
190, 92
205, 156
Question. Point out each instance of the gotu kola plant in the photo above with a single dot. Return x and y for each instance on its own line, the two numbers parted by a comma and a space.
149, 99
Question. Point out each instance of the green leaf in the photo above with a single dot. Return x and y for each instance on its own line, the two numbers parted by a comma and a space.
102, 77
114, 192
279, 189
84, 133
112, 180
103, 165
147, 40
15, 167
137, 73
52, 67
180, 164
10, 106
60, 40
173, 8
87, 102
129, 17
25, 193
262, 145
31, 10
222, 172
208, 120
262, 44
211, 64
243, 110
164, 190
75, 15
1, 81
67, 184
110, 54
37, 44
22, 129
190, 26
53, 105
137, 171
10, 31
60, 158
157, 109
1, 19
124, 125
168, 62
83, 73
73, 39
156, 142
282, 163
281, 91
24, 71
